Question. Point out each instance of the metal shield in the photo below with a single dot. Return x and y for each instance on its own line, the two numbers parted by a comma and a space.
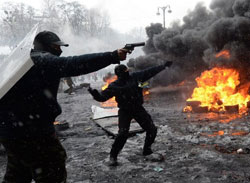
13, 67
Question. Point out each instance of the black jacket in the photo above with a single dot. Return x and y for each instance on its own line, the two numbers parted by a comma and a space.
127, 93
30, 106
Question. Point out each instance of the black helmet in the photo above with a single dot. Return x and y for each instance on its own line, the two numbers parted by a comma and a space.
47, 38
121, 71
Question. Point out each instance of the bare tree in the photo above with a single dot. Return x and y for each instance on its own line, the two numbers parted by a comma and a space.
97, 22
50, 15
16, 21
74, 14
137, 34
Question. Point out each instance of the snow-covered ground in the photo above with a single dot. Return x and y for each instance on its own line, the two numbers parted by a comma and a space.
4, 50
192, 149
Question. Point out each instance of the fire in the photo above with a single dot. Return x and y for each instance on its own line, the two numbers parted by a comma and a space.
219, 88
108, 81
181, 83
145, 92
111, 102
240, 133
224, 53
218, 133
221, 133
56, 123
187, 109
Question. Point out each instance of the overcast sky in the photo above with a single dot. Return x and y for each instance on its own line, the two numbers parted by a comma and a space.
127, 14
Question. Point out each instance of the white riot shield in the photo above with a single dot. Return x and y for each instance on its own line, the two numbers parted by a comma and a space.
17, 63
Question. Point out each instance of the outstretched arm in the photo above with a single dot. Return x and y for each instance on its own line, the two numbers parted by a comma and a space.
146, 74
76, 65
103, 95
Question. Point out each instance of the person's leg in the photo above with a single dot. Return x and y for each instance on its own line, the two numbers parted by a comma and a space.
70, 90
146, 122
49, 161
41, 159
16, 171
120, 140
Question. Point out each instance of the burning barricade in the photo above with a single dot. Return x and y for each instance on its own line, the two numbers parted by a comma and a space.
219, 90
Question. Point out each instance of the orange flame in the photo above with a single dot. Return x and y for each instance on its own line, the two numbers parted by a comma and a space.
111, 102
187, 109
240, 133
145, 92
56, 123
218, 133
181, 83
221, 133
219, 87
224, 53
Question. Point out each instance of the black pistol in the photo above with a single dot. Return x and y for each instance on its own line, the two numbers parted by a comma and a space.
130, 47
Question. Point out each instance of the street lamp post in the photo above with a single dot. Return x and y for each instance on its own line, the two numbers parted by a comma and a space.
163, 8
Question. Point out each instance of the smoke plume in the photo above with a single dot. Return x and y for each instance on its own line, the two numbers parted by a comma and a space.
193, 45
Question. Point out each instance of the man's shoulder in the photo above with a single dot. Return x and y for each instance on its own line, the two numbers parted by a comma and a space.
37, 56
35, 53
114, 83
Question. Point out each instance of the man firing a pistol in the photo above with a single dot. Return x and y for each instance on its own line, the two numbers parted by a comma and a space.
129, 96
30, 107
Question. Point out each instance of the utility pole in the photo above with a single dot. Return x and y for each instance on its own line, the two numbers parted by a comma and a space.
163, 8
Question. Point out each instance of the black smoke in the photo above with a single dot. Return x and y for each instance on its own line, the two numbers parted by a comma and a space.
193, 45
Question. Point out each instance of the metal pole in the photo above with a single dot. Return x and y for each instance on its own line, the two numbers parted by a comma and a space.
164, 8
164, 13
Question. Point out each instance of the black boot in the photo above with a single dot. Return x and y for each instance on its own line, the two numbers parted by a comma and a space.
113, 157
147, 151
112, 161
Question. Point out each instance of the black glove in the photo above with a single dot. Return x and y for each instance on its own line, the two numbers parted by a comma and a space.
168, 63
92, 91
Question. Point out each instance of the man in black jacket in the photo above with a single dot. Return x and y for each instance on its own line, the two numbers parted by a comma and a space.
29, 108
129, 97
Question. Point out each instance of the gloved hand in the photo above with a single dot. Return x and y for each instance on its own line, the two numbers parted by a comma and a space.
168, 63
92, 91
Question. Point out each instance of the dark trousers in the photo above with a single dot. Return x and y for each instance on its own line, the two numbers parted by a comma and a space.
125, 117
42, 160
